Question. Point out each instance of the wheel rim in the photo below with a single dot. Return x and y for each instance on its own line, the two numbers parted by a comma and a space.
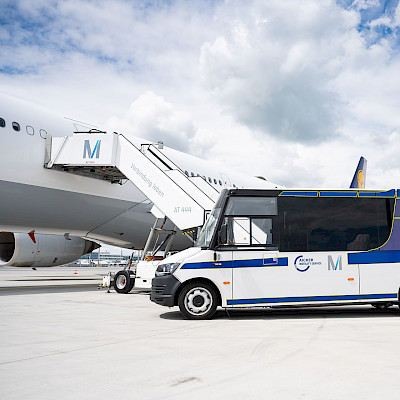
121, 282
198, 301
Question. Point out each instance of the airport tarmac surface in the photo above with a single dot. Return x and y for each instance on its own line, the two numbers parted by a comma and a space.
91, 344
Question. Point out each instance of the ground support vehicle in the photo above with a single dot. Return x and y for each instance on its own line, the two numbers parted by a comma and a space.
269, 248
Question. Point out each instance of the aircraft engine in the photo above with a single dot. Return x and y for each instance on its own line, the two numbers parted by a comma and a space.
27, 250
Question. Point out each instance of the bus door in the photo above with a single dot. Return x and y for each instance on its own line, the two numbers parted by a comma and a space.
221, 273
264, 276
257, 265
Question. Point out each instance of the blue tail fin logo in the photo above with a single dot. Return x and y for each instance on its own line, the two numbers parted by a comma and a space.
360, 175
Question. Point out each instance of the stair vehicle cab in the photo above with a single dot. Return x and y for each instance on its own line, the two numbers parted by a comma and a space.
269, 248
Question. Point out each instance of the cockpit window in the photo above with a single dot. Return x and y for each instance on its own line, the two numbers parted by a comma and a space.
16, 126
2, 123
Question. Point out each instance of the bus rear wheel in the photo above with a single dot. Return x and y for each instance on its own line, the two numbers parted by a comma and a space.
198, 300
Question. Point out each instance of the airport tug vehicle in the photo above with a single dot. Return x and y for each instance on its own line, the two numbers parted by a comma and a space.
274, 248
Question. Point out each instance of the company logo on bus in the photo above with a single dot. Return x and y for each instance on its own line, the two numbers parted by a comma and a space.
303, 264
334, 265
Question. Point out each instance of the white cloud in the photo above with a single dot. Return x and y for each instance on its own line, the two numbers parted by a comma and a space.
284, 89
365, 4
396, 19
274, 73
154, 119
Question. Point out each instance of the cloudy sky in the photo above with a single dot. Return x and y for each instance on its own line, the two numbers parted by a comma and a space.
292, 90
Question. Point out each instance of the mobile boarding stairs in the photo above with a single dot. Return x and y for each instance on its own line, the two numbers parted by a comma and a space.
184, 200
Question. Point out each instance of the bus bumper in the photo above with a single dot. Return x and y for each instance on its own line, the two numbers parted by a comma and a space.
163, 289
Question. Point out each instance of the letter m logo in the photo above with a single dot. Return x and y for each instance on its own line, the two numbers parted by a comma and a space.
334, 265
87, 150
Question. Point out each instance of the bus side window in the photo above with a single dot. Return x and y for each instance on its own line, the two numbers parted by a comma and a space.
238, 230
261, 231
253, 231
292, 224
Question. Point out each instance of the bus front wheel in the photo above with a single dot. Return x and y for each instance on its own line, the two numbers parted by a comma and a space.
198, 300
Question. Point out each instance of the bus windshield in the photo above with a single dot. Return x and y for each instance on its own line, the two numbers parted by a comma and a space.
207, 231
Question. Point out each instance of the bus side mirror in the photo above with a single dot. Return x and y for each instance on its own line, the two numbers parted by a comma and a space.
222, 234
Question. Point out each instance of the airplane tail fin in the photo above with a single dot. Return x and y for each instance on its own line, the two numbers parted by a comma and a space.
360, 175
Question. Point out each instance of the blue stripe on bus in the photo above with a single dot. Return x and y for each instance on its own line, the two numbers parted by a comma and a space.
389, 193
296, 193
254, 263
366, 194
275, 300
266, 262
208, 264
374, 257
367, 257
338, 194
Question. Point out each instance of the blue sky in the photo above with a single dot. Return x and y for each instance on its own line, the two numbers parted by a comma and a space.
305, 87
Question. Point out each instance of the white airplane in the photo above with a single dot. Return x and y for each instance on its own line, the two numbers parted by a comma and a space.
50, 217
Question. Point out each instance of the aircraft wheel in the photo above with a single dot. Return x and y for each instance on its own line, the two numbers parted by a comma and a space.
198, 301
123, 282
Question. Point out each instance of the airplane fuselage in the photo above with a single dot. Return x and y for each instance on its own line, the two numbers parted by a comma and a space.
54, 202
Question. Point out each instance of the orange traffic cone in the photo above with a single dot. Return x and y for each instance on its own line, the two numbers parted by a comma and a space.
75, 271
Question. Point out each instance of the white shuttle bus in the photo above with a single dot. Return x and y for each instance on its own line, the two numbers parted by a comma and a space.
268, 248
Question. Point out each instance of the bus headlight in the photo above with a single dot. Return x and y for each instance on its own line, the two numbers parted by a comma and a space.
167, 269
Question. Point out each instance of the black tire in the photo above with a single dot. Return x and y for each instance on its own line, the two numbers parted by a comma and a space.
382, 306
123, 282
132, 282
198, 300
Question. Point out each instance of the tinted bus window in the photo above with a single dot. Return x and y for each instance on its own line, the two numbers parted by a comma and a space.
345, 224
292, 223
251, 206
333, 224
384, 217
